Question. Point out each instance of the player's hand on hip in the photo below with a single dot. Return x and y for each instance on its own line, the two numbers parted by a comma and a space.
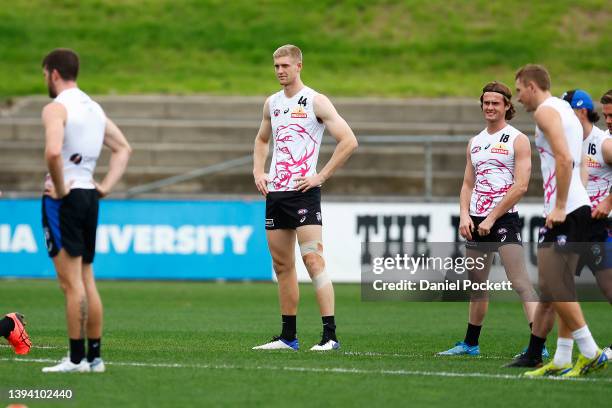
304, 184
102, 191
261, 182
466, 226
484, 228
556, 217
52, 192
601, 211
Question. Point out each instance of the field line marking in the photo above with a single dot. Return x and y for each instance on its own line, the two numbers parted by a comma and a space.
346, 353
335, 370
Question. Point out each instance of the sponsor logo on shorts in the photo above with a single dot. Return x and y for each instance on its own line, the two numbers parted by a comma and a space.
500, 148
269, 222
595, 250
318, 216
48, 239
543, 231
561, 240
276, 112
503, 239
518, 236
302, 219
502, 231
302, 211
299, 112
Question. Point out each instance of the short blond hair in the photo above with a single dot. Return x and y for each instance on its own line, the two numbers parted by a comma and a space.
534, 73
288, 50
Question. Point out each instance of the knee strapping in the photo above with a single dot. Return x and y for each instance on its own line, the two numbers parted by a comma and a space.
321, 280
311, 247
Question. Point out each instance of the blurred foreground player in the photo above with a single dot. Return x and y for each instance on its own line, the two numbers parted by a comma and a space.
568, 214
496, 177
75, 130
597, 147
296, 117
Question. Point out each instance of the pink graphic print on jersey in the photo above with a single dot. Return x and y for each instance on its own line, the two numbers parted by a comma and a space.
288, 163
486, 191
550, 183
601, 193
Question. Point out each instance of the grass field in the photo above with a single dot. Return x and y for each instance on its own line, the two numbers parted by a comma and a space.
352, 47
171, 344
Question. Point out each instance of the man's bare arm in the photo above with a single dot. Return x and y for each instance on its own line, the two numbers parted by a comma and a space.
120, 155
260, 150
54, 118
345, 138
549, 121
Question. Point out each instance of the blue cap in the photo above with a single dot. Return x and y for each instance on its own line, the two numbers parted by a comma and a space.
578, 99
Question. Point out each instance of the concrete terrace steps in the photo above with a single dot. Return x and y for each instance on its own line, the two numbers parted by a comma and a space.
190, 130
249, 108
172, 135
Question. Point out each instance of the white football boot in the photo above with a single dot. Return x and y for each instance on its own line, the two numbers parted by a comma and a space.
67, 366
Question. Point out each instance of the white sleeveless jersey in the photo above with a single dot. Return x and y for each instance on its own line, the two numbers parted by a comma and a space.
577, 195
600, 173
297, 138
493, 160
83, 137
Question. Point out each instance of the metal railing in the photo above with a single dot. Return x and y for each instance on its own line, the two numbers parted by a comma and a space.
427, 141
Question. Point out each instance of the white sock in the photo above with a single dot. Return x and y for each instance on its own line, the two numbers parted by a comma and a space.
563, 354
586, 343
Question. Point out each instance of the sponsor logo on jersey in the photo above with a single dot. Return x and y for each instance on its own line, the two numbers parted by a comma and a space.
476, 149
276, 112
487, 146
76, 158
500, 148
591, 162
299, 112
285, 111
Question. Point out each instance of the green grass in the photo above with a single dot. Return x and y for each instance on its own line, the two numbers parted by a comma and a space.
352, 47
208, 329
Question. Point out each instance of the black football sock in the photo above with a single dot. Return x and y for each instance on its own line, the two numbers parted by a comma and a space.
472, 334
329, 327
93, 349
289, 327
6, 326
77, 350
536, 345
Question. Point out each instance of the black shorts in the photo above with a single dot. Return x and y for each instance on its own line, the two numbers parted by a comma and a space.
506, 230
293, 209
71, 223
597, 255
574, 230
